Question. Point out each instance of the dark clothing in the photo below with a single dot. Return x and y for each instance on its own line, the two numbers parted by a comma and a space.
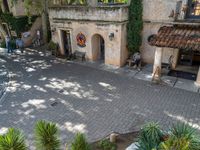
137, 59
8, 45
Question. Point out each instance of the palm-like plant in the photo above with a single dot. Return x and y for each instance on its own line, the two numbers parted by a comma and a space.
182, 137
150, 137
46, 136
80, 143
12, 140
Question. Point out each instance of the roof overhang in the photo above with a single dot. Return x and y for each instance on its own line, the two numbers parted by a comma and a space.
185, 37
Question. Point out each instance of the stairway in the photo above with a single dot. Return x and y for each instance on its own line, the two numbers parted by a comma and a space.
37, 25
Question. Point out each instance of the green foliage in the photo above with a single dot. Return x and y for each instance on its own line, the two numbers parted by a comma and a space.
150, 137
182, 137
80, 143
113, 1
107, 145
46, 136
13, 44
19, 24
3, 44
135, 26
13, 140
81, 2
52, 46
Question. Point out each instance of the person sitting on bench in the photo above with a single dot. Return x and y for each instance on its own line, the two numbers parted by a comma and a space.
137, 60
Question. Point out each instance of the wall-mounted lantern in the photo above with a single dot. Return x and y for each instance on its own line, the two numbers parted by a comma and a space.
53, 30
111, 36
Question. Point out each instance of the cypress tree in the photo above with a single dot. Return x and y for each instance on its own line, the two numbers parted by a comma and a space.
135, 26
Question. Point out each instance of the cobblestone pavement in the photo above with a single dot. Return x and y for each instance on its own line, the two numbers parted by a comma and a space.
4, 79
84, 99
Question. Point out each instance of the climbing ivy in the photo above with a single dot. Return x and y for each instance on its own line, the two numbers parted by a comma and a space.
18, 24
135, 26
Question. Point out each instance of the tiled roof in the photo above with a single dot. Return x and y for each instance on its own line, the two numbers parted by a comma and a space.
178, 36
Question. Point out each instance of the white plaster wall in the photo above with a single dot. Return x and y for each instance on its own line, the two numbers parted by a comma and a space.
158, 10
147, 50
156, 14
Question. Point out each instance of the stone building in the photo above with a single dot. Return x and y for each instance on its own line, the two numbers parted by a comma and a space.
97, 29
171, 34
17, 9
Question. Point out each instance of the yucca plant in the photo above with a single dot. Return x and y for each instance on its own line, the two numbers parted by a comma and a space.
12, 140
80, 143
46, 136
150, 137
182, 137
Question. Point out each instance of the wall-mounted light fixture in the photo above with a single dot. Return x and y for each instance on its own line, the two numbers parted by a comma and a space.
111, 36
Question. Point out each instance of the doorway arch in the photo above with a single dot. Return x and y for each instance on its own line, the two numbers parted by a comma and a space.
98, 48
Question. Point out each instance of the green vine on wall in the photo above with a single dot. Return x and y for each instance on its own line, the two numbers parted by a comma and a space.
20, 24
135, 26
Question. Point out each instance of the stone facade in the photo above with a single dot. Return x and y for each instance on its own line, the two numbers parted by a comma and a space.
96, 23
16, 8
156, 14
159, 13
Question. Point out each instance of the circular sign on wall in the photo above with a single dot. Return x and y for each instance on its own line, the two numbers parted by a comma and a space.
81, 40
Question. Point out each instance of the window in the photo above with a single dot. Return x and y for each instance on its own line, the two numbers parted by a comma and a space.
112, 1
194, 9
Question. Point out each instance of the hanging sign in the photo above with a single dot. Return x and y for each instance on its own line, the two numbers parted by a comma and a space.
81, 40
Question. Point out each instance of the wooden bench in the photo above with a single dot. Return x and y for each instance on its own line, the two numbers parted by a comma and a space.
130, 62
78, 54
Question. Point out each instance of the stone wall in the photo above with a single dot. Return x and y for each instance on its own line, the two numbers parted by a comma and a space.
18, 8
102, 13
156, 14
113, 48
92, 21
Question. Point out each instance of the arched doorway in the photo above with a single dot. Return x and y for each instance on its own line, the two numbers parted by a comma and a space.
98, 48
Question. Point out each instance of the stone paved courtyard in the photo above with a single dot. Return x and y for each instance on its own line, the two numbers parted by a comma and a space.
85, 99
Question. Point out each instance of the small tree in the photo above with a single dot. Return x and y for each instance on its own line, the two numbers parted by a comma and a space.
135, 26
13, 140
80, 143
46, 136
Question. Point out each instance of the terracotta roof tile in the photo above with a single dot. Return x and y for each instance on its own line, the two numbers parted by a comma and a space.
177, 36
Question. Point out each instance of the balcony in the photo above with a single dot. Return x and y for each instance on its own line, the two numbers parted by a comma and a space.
103, 13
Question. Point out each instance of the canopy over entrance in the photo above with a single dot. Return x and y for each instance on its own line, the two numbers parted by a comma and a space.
185, 37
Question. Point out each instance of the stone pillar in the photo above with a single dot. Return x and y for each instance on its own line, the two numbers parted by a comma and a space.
175, 58
157, 63
197, 83
62, 51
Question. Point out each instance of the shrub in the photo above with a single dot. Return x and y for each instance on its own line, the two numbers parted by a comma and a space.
135, 26
52, 46
3, 44
12, 42
18, 24
182, 137
13, 140
150, 137
80, 143
46, 136
107, 145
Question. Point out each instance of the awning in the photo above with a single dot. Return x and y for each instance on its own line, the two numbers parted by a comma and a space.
185, 37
